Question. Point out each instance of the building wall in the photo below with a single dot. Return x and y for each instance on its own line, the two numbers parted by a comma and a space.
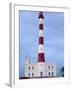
40, 70
30, 70
50, 70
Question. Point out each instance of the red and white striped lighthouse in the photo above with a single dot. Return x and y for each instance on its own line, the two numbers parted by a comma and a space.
41, 57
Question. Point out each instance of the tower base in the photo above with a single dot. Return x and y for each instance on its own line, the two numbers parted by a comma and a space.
41, 71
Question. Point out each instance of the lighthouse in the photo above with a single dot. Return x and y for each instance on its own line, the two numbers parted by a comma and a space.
40, 69
41, 57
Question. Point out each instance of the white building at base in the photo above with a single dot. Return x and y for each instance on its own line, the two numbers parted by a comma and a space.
41, 69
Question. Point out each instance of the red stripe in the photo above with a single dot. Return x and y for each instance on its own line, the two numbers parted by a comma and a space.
41, 40
41, 57
41, 26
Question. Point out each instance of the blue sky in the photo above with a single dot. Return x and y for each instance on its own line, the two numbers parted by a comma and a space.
53, 38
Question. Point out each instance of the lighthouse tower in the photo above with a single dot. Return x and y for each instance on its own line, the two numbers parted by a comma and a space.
41, 58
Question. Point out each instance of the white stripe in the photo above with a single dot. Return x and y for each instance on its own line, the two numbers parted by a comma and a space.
40, 21
40, 33
40, 49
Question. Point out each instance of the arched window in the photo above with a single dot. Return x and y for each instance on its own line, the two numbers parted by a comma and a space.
29, 67
48, 73
28, 74
52, 66
41, 74
32, 74
52, 74
48, 67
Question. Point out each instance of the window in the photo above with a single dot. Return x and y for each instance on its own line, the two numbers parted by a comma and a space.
28, 74
52, 74
41, 74
41, 65
52, 67
41, 48
32, 74
48, 67
32, 67
48, 73
29, 67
